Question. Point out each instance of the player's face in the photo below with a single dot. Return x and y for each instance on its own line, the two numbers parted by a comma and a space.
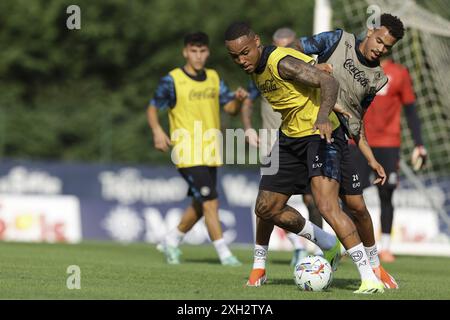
378, 43
284, 42
196, 56
245, 52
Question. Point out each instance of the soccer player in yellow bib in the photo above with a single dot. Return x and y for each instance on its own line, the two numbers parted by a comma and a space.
194, 95
310, 145
282, 37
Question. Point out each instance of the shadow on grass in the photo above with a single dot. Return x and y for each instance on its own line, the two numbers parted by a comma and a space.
285, 262
201, 260
346, 284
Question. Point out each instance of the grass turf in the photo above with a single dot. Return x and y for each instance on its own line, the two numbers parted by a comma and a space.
138, 271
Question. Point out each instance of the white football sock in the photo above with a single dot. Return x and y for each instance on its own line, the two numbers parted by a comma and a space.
317, 251
372, 254
174, 237
359, 257
385, 241
222, 249
260, 256
295, 240
323, 239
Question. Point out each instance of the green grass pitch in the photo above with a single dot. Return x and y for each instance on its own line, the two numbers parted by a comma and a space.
138, 271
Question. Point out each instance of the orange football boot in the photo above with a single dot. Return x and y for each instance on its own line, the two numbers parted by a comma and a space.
257, 278
387, 280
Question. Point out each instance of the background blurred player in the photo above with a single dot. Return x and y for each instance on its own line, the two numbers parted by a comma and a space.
382, 124
310, 145
194, 95
283, 37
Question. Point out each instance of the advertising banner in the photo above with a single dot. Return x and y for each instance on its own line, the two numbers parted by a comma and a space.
45, 201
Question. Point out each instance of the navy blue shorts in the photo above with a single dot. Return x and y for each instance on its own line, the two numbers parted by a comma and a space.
202, 182
352, 179
300, 159
388, 157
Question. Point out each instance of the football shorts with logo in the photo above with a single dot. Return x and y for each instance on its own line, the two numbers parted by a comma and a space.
202, 182
300, 159
388, 157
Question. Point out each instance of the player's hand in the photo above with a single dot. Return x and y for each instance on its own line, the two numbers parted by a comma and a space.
241, 94
251, 136
379, 171
328, 68
340, 109
325, 128
419, 158
161, 140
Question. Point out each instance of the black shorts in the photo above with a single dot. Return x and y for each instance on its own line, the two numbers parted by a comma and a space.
202, 182
351, 180
388, 157
300, 159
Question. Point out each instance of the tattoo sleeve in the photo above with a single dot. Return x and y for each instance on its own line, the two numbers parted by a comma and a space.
298, 71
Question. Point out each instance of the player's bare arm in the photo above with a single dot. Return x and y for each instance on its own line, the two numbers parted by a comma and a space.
160, 138
338, 108
234, 106
246, 116
327, 67
298, 71
363, 145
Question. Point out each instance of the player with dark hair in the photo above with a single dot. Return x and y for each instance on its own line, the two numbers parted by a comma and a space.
194, 95
382, 124
310, 147
355, 64
282, 37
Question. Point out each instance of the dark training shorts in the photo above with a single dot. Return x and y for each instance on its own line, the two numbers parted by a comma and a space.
300, 159
388, 157
202, 182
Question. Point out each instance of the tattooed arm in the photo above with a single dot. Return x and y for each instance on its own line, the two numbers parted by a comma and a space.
298, 71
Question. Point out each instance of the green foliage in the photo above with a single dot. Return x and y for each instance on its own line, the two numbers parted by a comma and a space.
82, 94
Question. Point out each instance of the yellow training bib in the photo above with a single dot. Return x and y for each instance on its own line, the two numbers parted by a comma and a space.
297, 103
195, 120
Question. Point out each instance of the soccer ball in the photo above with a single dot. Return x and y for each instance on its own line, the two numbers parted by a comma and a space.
313, 273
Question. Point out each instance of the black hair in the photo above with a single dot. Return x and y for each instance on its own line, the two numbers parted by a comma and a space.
393, 24
196, 39
237, 30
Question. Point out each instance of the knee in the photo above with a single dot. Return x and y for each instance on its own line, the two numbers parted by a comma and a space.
325, 207
263, 210
266, 206
359, 210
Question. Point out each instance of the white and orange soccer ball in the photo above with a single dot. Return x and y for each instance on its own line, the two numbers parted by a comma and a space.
313, 273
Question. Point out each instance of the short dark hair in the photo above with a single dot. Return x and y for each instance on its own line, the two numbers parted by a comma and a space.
196, 39
393, 24
237, 30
